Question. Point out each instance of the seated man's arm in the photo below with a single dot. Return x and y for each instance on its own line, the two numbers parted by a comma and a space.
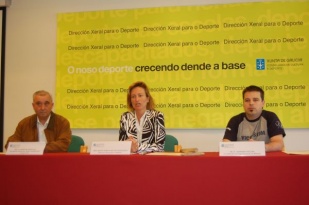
59, 139
60, 144
13, 138
275, 144
226, 140
16, 137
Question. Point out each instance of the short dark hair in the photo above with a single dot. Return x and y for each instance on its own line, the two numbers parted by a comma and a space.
253, 88
150, 104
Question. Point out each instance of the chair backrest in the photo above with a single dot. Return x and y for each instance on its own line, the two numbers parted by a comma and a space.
170, 141
76, 142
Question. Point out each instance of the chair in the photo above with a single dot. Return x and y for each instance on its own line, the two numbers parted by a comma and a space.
76, 142
170, 141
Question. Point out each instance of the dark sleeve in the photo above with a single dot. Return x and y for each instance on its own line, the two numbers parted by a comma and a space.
160, 135
122, 131
274, 125
231, 129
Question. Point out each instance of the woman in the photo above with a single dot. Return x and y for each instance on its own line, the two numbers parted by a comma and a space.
143, 125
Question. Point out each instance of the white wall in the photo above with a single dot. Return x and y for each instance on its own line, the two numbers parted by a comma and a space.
31, 65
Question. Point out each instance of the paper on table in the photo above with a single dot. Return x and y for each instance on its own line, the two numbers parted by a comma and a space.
176, 153
242, 148
110, 148
297, 152
25, 148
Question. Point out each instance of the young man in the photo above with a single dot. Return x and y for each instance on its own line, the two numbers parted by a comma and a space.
43, 126
255, 124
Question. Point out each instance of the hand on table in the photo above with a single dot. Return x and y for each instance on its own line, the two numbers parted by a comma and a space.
134, 145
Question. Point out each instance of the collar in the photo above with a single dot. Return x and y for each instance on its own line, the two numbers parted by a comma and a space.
46, 123
51, 120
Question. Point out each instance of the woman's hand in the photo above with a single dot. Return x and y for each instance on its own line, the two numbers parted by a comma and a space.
134, 145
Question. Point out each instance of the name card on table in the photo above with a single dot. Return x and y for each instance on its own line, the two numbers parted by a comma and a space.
111, 148
239, 148
26, 148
